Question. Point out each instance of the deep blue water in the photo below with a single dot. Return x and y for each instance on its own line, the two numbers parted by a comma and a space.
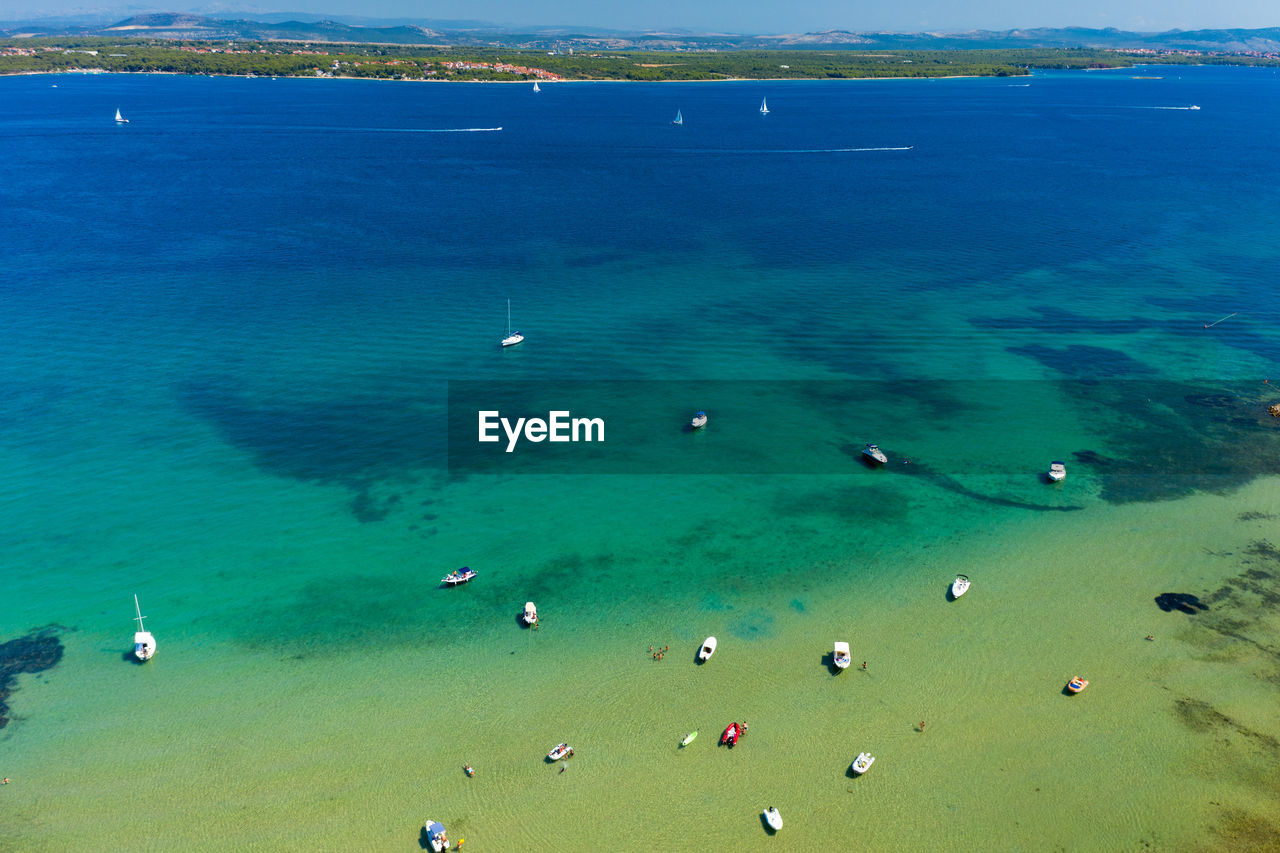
285, 257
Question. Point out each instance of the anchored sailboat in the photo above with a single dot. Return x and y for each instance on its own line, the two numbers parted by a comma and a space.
512, 338
764, 107
144, 645
119, 118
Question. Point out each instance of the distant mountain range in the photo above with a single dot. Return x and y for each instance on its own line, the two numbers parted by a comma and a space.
288, 27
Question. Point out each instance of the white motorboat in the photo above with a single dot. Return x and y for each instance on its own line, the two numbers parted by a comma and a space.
460, 576
773, 818
875, 454
530, 614
708, 648
562, 750
841, 656
435, 835
959, 586
512, 338
144, 645
699, 420
1057, 472
862, 763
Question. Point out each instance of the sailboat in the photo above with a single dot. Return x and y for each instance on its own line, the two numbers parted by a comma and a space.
512, 338
535, 86
679, 118
764, 107
119, 118
144, 645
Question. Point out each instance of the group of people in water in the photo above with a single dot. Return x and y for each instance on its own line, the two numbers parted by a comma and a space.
658, 653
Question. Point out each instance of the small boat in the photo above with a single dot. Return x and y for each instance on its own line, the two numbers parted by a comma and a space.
764, 107
535, 86
959, 586
1057, 472
699, 420
144, 645
119, 118
841, 656
435, 835
708, 648
731, 734
562, 750
875, 454
530, 614
862, 763
773, 818
688, 739
679, 119
1193, 107
459, 576
512, 338
1076, 684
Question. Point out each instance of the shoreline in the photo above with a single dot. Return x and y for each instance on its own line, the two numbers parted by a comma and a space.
102, 71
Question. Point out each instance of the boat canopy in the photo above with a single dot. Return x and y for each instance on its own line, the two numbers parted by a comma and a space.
435, 828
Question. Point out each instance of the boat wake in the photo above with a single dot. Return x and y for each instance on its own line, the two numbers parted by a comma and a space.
423, 129
378, 129
789, 150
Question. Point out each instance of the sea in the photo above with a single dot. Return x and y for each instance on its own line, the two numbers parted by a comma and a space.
235, 332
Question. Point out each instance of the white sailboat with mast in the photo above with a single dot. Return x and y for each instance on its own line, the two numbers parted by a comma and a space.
535, 86
144, 645
679, 119
512, 338
764, 106
119, 118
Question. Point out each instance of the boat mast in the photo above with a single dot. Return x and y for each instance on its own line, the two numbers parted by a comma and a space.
138, 609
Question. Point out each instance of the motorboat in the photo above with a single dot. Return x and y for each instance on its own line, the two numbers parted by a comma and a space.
708, 648
699, 420
530, 616
731, 734
875, 454
459, 576
773, 817
435, 835
959, 586
1057, 472
144, 645
862, 763
840, 657
688, 739
562, 750
1075, 685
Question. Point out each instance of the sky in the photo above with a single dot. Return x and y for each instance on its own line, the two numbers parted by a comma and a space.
741, 16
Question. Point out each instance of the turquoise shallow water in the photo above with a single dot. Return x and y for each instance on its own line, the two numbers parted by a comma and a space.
230, 330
